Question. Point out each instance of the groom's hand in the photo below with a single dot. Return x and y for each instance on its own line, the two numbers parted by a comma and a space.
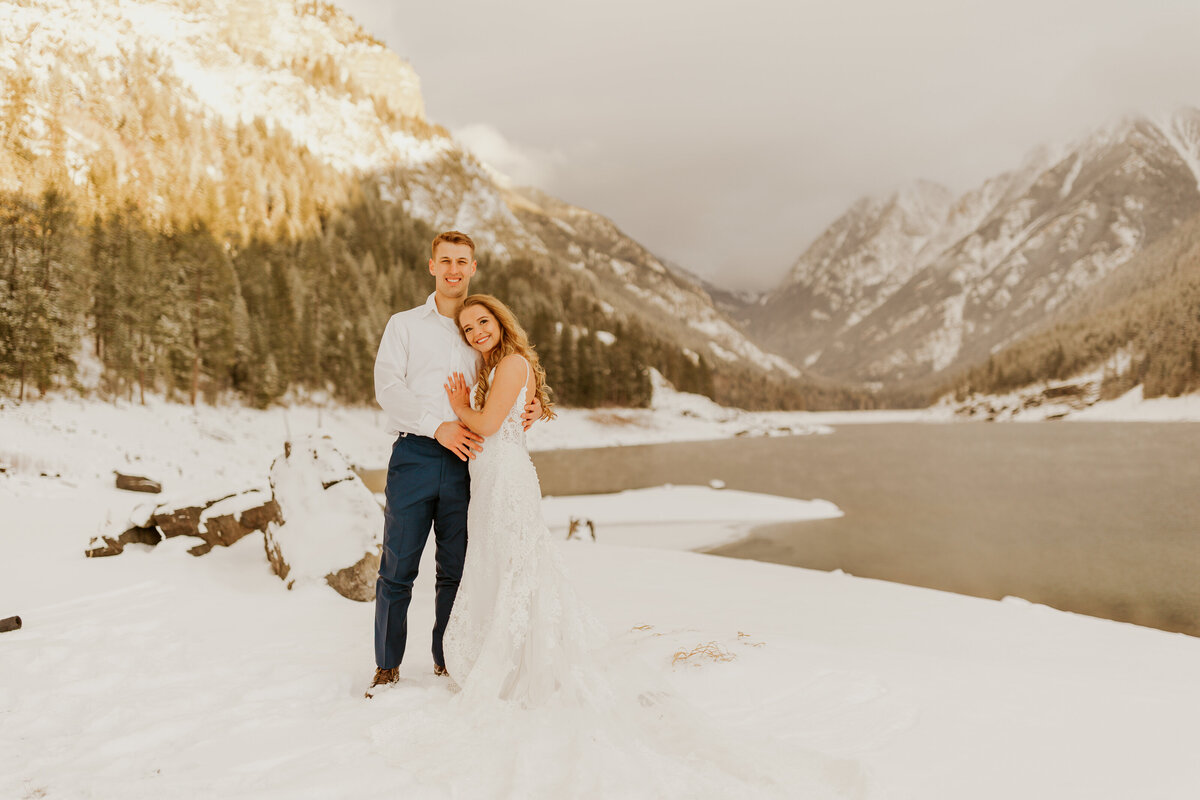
459, 439
533, 412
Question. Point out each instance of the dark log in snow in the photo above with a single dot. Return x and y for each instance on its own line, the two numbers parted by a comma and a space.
136, 483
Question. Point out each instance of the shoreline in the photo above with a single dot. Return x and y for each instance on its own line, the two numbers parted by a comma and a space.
1045, 514
771, 543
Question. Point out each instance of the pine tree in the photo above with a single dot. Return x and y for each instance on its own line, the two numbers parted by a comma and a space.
206, 300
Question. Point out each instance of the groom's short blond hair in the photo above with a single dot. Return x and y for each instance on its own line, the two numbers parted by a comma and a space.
452, 237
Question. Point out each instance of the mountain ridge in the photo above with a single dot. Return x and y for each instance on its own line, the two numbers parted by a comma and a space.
896, 294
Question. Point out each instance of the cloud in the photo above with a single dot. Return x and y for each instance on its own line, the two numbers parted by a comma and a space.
727, 136
522, 164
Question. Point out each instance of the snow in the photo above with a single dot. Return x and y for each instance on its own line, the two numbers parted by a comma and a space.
1069, 181
1182, 130
158, 674
710, 324
1030, 404
238, 87
673, 417
623, 269
85, 440
324, 529
678, 517
942, 346
231, 506
1133, 407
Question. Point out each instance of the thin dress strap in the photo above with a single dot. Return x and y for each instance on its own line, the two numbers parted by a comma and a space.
526, 360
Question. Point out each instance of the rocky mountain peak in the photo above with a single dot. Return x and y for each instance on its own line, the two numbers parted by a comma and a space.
900, 289
304, 67
874, 237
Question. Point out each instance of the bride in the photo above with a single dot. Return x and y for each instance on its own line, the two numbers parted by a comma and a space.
549, 706
517, 631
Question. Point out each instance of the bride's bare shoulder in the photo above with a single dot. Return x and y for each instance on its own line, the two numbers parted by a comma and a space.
513, 362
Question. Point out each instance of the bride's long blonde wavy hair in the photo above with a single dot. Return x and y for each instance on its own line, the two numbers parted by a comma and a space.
513, 339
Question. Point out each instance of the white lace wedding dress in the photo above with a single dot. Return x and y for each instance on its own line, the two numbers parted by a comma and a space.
548, 706
517, 632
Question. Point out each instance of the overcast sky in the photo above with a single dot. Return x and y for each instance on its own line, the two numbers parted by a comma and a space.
725, 136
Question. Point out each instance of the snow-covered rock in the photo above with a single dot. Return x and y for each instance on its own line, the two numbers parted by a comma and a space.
332, 526
216, 522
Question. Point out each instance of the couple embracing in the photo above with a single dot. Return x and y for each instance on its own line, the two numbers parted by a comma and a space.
548, 706
461, 384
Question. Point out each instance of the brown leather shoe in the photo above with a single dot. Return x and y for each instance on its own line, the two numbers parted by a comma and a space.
383, 679
439, 670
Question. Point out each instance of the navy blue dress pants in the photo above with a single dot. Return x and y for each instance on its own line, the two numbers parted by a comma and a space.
426, 485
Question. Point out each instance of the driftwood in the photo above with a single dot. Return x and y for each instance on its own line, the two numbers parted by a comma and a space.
574, 527
137, 483
10, 624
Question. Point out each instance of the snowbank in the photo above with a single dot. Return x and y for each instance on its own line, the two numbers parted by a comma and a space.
1074, 399
1132, 407
156, 674
87, 439
678, 517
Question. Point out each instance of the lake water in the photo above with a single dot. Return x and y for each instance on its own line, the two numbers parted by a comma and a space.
1097, 518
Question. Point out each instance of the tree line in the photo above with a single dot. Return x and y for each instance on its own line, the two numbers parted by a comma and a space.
193, 259
184, 312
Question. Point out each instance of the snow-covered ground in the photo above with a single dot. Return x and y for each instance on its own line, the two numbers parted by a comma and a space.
677, 517
1132, 407
88, 439
1074, 399
159, 674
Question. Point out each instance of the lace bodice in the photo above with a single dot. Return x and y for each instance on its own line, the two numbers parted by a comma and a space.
512, 429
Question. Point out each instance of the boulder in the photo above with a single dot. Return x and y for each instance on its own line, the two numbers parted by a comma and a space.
357, 582
320, 522
330, 528
224, 522
101, 546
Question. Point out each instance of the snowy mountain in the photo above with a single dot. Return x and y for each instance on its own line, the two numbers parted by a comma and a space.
275, 119
80, 74
627, 276
920, 284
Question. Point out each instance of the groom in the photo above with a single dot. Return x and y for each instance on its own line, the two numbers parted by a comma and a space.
428, 482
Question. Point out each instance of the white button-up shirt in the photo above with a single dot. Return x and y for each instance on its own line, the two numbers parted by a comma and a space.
418, 351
